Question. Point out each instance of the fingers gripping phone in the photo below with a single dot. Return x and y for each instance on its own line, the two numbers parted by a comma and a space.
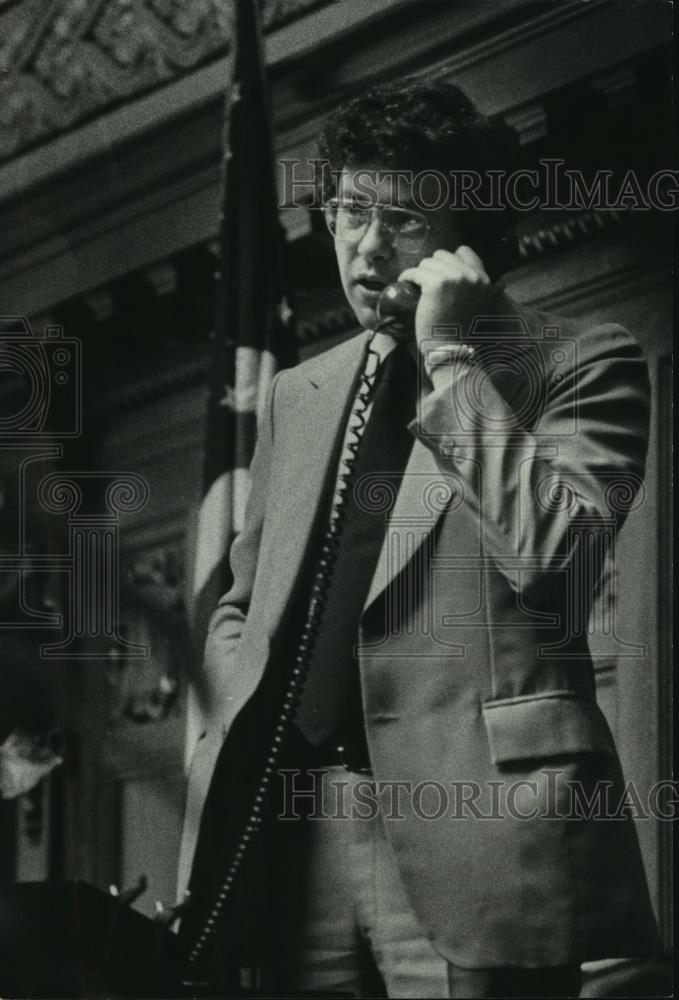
396, 310
397, 303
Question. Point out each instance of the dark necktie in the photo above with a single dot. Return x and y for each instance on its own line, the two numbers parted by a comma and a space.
330, 706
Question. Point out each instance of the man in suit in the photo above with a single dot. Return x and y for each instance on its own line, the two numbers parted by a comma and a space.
404, 740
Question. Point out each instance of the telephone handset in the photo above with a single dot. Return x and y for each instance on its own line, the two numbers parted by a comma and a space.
397, 303
396, 310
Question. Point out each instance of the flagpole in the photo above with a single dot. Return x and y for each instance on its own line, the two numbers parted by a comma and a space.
252, 336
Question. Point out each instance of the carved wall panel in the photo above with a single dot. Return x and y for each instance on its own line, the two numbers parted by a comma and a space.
65, 61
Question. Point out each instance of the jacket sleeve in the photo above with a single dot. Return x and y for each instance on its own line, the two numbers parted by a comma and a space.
537, 493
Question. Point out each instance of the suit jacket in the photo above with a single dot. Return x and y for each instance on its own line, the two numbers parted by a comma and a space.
523, 468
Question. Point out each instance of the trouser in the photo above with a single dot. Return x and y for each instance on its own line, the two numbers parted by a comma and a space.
343, 921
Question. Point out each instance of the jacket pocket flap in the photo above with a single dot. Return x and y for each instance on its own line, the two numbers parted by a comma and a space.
545, 726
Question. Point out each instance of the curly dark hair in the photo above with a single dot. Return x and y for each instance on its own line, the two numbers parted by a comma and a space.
426, 124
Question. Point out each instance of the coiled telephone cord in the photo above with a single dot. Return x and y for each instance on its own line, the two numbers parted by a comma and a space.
302, 662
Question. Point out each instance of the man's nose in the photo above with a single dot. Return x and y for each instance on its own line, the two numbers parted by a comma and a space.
376, 241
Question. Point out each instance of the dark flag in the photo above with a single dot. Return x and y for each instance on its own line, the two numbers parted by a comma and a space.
253, 334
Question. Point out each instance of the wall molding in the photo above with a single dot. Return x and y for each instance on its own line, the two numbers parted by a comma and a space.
606, 286
182, 376
543, 239
79, 59
602, 279
71, 222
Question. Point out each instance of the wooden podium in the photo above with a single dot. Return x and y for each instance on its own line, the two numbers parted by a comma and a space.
71, 940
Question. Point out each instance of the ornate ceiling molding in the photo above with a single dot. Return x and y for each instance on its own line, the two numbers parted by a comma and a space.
131, 184
539, 239
65, 61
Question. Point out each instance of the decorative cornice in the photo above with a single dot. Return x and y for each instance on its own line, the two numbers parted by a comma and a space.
327, 323
619, 86
99, 301
544, 239
65, 61
164, 193
162, 277
602, 287
529, 122
536, 243
150, 387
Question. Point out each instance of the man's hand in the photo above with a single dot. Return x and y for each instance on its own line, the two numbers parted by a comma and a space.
455, 289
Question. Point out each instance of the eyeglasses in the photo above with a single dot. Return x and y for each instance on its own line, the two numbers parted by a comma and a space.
349, 221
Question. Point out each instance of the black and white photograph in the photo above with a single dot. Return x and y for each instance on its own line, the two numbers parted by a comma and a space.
336, 514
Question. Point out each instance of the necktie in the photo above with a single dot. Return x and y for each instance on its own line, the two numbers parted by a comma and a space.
330, 706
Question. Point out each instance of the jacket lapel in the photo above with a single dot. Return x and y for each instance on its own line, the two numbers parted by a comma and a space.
423, 496
317, 422
426, 490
